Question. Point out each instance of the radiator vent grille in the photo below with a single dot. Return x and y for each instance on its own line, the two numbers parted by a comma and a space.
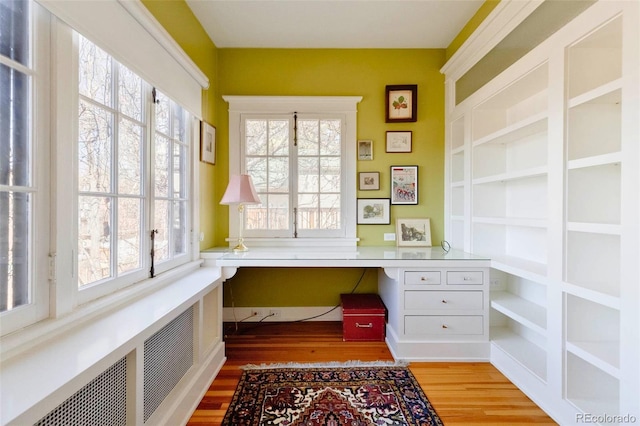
168, 355
103, 401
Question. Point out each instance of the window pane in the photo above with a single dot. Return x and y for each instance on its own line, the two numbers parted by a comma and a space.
129, 234
95, 77
163, 114
94, 238
130, 150
279, 216
14, 31
308, 174
15, 235
256, 137
308, 217
278, 137
161, 223
14, 128
330, 137
130, 93
94, 148
161, 165
179, 123
330, 174
329, 211
257, 168
179, 232
179, 171
278, 174
256, 216
308, 137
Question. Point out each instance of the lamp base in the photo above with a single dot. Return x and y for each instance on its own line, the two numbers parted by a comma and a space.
240, 247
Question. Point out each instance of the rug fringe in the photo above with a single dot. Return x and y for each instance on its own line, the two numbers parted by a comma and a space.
333, 364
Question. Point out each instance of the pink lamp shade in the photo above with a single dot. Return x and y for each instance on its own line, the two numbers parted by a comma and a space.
240, 191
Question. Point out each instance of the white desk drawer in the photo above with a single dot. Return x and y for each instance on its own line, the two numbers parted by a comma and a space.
449, 300
465, 277
422, 277
442, 325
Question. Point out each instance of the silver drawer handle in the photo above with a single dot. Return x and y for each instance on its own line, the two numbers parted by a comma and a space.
358, 325
466, 279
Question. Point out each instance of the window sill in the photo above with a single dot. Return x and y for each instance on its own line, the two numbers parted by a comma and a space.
23, 340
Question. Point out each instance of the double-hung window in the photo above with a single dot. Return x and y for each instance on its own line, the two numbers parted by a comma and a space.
300, 153
133, 170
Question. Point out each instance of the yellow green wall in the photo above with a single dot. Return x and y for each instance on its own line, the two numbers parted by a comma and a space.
329, 72
340, 72
345, 72
183, 26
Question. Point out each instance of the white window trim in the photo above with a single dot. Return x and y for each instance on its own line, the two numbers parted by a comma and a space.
344, 105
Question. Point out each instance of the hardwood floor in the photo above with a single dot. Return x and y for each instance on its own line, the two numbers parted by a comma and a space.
462, 393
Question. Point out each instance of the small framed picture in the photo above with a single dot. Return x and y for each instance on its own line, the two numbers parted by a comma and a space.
374, 211
413, 232
401, 103
207, 143
365, 150
398, 141
404, 184
369, 181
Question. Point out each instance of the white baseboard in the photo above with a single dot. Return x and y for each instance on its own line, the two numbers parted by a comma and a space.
283, 314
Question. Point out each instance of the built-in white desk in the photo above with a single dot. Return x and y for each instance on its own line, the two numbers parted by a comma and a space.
437, 300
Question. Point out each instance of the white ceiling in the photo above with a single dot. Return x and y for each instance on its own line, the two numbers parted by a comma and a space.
333, 23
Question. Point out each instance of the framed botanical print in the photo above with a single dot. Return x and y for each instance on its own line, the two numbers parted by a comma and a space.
401, 103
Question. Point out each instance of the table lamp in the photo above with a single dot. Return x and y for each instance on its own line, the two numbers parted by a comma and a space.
240, 191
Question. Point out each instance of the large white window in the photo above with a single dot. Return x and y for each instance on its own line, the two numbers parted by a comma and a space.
96, 166
302, 163
24, 152
133, 169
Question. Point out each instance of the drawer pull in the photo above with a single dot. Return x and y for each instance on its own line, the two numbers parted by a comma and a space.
424, 279
358, 325
466, 278
444, 301
444, 326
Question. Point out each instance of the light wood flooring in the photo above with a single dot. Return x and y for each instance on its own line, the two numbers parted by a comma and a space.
464, 394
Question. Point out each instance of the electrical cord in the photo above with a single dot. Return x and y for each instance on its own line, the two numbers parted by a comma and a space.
261, 323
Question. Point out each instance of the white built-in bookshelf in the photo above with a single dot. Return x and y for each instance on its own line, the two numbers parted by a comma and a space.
542, 176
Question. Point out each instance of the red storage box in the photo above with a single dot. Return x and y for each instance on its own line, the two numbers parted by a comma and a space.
363, 317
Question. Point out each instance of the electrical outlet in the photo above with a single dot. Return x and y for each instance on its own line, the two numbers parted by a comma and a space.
390, 236
274, 313
257, 313
494, 283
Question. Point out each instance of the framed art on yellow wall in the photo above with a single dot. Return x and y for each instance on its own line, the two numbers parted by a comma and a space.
207, 143
401, 103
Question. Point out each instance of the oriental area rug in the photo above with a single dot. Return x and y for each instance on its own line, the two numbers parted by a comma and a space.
352, 394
